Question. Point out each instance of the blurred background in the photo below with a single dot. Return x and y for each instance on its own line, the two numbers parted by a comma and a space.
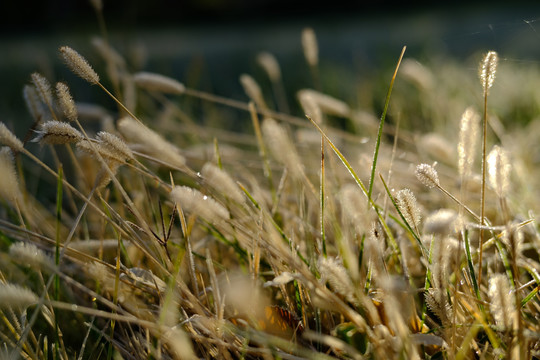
207, 44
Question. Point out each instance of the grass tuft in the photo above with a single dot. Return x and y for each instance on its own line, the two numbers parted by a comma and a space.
169, 239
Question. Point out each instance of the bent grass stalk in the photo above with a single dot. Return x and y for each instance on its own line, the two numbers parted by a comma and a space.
267, 231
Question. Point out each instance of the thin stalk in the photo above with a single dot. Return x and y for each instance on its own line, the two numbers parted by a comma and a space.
359, 182
262, 149
323, 235
381, 125
59, 188
115, 295
118, 102
465, 235
483, 189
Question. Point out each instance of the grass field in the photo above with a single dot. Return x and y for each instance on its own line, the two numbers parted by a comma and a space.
184, 224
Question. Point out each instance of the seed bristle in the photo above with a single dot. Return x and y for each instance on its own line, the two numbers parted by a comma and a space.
78, 65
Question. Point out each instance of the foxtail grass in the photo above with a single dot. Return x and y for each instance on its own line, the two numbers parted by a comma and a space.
171, 240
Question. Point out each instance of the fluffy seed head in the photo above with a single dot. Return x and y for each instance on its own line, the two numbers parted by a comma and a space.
30, 255
253, 90
195, 202
502, 301
221, 181
78, 65
43, 88
437, 146
108, 53
353, 206
375, 246
109, 155
310, 47
281, 146
468, 131
334, 272
158, 83
115, 145
65, 100
9, 182
97, 4
437, 302
15, 296
427, 175
9, 139
499, 170
310, 107
57, 132
270, 65
417, 73
441, 222
488, 68
328, 104
33, 102
150, 142
406, 202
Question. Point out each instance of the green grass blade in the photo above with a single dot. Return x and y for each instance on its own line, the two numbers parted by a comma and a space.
322, 195
470, 264
408, 226
381, 125
530, 296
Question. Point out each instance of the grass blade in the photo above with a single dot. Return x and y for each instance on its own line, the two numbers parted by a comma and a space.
381, 125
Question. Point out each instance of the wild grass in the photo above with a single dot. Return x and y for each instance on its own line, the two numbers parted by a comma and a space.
168, 240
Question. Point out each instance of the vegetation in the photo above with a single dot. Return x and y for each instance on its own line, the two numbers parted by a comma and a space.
409, 235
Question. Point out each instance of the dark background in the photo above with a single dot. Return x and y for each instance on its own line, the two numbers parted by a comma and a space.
56, 15
209, 43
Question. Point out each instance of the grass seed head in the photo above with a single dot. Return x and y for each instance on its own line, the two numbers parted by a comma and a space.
16, 297
335, 273
502, 301
281, 146
427, 175
310, 46
194, 202
108, 53
253, 90
328, 104
499, 170
97, 4
310, 107
78, 65
158, 83
115, 146
270, 65
30, 255
488, 68
43, 88
406, 202
150, 142
437, 147
221, 181
33, 102
468, 136
65, 100
442, 222
56, 132
9, 182
9, 139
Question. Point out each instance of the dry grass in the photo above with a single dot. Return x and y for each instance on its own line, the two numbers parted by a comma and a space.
171, 241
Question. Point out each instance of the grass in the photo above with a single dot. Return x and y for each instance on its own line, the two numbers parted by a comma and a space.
170, 240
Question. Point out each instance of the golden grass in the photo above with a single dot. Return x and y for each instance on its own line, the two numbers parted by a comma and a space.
180, 242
